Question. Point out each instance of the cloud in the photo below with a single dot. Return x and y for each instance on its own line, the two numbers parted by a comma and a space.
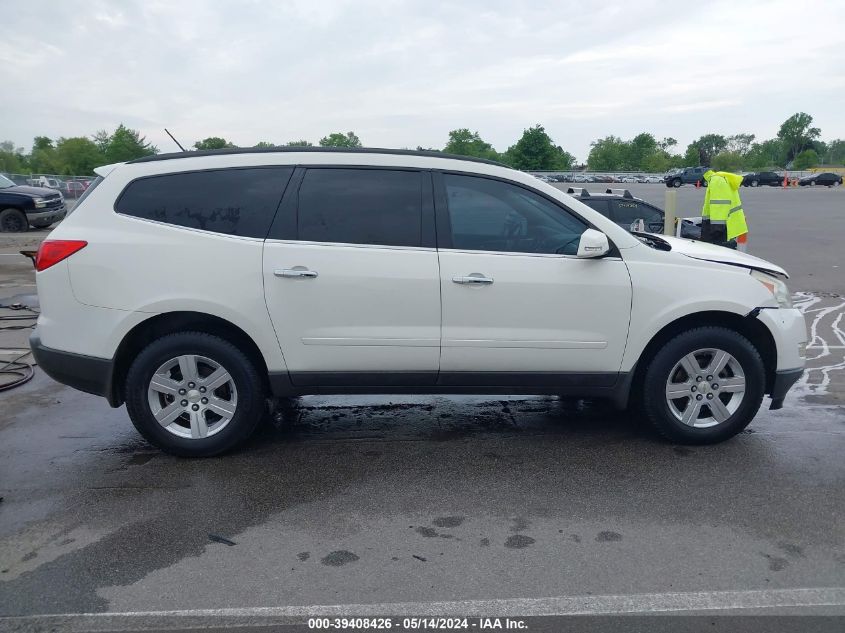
403, 74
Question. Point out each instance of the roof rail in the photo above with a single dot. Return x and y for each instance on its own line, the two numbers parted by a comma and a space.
581, 192
620, 192
298, 149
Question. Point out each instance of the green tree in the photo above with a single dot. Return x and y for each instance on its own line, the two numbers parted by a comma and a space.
535, 150
796, 133
769, 153
125, 144
12, 159
264, 145
304, 143
213, 142
707, 147
641, 146
727, 161
835, 153
667, 143
607, 154
806, 159
43, 157
740, 143
465, 143
339, 139
78, 156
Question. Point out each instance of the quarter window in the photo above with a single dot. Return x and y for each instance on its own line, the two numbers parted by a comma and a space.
361, 206
231, 201
490, 215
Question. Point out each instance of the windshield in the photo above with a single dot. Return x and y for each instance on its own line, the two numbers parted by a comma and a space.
5, 183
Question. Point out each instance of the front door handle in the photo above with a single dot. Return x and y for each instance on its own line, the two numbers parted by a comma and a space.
297, 271
473, 278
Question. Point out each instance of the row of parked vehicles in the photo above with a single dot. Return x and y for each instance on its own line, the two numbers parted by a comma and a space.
693, 175
599, 178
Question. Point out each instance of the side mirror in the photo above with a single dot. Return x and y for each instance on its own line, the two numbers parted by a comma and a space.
593, 244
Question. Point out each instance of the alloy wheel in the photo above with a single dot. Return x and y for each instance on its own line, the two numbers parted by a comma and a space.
705, 388
192, 396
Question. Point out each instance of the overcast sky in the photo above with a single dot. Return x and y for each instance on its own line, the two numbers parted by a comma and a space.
402, 74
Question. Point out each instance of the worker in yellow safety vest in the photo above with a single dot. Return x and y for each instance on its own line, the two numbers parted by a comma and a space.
722, 217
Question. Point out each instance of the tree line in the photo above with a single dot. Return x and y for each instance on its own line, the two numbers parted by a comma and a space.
796, 146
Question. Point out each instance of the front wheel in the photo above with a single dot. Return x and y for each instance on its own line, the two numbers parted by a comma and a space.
754, 183
676, 183
703, 386
13, 221
194, 394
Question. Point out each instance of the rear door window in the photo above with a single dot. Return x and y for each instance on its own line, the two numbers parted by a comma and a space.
238, 202
602, 206
626, 212
381, 207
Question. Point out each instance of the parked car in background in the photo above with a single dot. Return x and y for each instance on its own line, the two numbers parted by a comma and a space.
623, 208
22, 206
74, 188
826, 179
46, 181
686, 176
393, 272
650, 179
760, 178
627, 179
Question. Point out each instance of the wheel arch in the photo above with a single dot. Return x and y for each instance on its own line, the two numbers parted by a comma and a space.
748, 326
159, 325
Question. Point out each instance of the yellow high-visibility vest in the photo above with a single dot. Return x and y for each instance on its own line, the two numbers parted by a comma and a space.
722, 204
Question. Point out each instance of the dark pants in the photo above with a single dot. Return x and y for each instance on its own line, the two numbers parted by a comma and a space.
716, 234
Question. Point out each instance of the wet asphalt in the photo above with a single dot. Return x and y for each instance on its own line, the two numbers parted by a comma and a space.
416, 499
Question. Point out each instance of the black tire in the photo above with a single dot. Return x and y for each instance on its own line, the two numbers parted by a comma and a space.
13, 221
677, 182
754, 183
251, 394
655, 407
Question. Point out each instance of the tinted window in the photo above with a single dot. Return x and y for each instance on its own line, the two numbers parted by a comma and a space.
626, 212
231, 201
490, 215
602, 206
361, 206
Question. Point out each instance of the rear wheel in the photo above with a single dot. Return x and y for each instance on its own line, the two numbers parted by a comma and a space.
13, 221
703, 386
194, 394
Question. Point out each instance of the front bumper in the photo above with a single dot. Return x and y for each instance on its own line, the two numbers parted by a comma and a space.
47, 215
783, 382
85, 373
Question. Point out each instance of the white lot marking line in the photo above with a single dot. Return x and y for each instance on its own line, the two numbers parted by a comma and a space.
562, 605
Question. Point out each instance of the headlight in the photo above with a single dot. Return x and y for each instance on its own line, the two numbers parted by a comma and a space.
40, 203
778, 289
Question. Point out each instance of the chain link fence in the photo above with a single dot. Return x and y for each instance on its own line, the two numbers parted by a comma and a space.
70, 186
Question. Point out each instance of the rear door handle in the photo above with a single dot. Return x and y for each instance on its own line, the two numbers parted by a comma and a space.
297, 271
473, 278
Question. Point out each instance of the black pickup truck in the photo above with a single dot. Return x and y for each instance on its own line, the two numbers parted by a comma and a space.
23, 206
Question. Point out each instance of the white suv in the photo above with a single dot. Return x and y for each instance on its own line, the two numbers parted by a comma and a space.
200, 287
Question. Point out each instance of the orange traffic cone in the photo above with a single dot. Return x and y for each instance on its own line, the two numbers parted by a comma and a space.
698, 184
785, 180
742, 243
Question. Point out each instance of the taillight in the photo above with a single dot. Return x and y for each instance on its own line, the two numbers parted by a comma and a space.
53, 251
